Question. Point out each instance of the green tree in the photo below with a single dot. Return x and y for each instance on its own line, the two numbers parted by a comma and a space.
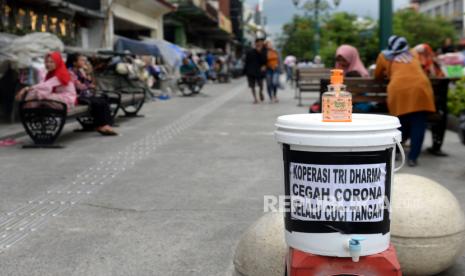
299, 34
323, 7
344, 28
337, 29
297, 38
362, 33
456, 98
421, 28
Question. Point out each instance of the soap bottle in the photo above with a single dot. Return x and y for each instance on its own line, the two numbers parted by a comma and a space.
337, 102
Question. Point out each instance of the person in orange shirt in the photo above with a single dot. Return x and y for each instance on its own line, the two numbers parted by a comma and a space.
410, 94
273, 71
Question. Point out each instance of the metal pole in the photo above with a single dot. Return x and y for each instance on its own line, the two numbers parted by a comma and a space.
317, 28
385, 22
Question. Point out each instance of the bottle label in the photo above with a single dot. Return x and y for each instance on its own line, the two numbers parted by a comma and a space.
337, 109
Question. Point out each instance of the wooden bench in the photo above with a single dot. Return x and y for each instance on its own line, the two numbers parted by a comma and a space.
308, 80
368, 90
44, 120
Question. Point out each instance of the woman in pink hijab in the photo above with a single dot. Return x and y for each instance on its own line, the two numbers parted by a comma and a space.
348, 59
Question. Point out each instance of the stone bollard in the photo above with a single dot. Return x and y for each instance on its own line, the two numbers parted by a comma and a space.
261, 249
427, 225
427, 229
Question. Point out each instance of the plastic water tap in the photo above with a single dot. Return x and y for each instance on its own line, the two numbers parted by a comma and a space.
355, 248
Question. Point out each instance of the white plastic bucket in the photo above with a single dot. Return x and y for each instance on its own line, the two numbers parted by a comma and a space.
337, 177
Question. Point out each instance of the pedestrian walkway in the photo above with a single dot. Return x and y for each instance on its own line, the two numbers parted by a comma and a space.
8, 130
170, 196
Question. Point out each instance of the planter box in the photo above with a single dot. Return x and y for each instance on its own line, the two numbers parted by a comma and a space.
453, 123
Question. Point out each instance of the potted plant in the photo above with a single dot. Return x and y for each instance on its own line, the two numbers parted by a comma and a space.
456, 105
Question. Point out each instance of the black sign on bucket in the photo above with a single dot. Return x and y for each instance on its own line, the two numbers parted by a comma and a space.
342, 192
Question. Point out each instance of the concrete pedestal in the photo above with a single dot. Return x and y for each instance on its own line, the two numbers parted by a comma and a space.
427, 225
262, 250
427, 230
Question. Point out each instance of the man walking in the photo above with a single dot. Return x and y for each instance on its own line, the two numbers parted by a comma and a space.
254, 69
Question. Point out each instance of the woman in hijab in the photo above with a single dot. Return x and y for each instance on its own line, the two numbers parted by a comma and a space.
85, 87
427, 58
56, 86
410, 94
348, 59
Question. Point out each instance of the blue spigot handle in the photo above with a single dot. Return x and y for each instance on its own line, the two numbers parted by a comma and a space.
356, 240
355, 247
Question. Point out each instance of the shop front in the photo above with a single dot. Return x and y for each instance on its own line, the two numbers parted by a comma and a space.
76, 23
137, 19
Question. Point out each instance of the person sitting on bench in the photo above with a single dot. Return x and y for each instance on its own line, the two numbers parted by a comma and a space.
427, 58
348, 59
84, 83
409, 92
57, 85
189, 70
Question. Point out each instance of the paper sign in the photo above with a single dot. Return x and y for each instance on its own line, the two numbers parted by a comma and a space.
337, 193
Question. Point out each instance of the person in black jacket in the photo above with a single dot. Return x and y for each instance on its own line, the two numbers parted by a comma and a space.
254, 69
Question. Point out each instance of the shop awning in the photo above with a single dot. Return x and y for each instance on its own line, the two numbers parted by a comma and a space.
195, 14
78, 9
172, 54
166, 4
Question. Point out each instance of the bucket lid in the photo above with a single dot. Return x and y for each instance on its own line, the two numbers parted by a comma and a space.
360, 122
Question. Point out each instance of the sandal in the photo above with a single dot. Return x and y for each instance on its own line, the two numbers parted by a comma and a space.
8, 142
107, 132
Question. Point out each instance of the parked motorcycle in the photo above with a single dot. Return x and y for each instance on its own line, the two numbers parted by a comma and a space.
190, 85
